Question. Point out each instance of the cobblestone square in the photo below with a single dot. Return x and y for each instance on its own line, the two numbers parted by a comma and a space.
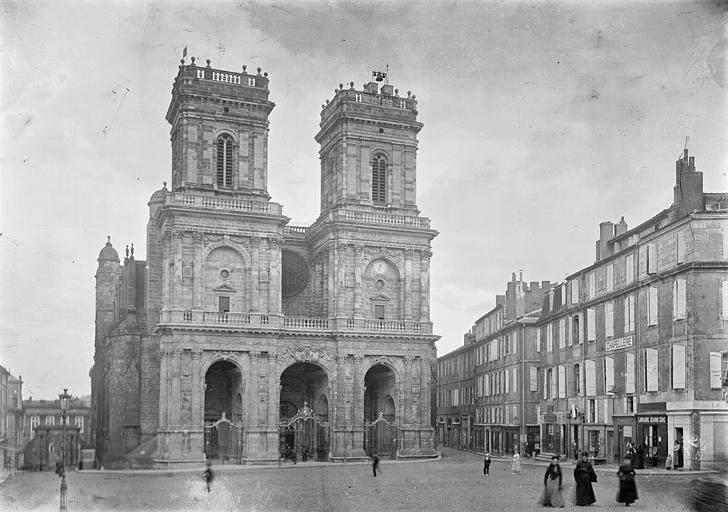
454, 483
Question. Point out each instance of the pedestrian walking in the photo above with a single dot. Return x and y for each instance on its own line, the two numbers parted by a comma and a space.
627, 493
551, 496
375, 463
207, 475
516, 465
584, 476
486, 464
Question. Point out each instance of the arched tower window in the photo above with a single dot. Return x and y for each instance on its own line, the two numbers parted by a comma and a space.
379, 180
225, 161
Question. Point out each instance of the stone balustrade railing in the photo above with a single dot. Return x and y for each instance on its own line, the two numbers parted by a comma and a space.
294, 231
384, 218
199, 318
224, 203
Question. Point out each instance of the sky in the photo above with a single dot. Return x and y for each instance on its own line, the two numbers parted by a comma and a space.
541, 120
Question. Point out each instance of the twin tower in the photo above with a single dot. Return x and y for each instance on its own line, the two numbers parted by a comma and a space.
246, 339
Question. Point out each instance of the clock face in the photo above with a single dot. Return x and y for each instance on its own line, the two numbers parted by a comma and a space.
380, 267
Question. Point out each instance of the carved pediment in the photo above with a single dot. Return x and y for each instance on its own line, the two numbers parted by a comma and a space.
380, 298
224, 288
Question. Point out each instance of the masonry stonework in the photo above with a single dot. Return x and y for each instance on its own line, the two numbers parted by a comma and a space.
244, 338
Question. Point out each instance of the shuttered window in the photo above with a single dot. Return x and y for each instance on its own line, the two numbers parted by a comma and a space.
569, 330
577, 380
562, 333
609, 320
575, 291
591, 377
549, 337
379, 180
628, 314
651, 258
650, 369
514, 374
715, 370
591, 279
678, 367
608, 374
724, 300
225, 161
562, 381
680, 246
533, 379
610, 277
629, 268
591, 325
538, 339
678, 299
507, 381
652, 306
629, 374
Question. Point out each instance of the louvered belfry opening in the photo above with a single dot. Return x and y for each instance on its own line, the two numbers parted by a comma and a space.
379, 180
224, 161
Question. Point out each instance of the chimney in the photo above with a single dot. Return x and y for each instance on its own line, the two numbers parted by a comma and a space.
688, 190
620, 227
606, 232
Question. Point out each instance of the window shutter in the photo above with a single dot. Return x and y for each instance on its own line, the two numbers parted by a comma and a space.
651, 369
538, 339
549, 337
724, 301
678, 367
609, 320
651, 258
533, 381
652, 306
681, 298
715, 370
562, 333
562, 381
575, 291
591, 378
545, 384
569, 330
680, 246
591, 284
506, 378
610, 277
514, 386
591, 325
629, 382
629, 269
609, 368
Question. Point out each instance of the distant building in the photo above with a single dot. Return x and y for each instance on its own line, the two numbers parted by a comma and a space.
11, 420
44, 431
487, 389
630, 351
240, 329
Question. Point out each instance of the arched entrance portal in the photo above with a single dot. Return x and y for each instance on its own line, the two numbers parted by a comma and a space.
304, 412
380, 428
223, 412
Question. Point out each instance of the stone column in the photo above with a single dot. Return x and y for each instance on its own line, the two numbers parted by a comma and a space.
274, 278
406, 385
407, 312
424, 392
254, 416
358, 280
273, 391
333, 274
197, 271
338, 418
163, 388
255, 275
175, 378
357, 407
177, 239
425, 286
198, 389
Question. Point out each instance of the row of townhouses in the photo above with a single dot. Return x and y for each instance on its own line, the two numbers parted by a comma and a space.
628, 353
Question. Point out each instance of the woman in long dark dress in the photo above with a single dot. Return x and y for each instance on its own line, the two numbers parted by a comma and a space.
627, 488
584, 475
551, 496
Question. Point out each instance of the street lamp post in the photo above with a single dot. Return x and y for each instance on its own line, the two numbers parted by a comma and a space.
64, 398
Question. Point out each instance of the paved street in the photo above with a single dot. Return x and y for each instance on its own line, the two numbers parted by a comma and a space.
454, 483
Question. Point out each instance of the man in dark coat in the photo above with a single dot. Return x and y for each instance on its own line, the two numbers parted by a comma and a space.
584, 475
486, 464
627, 488
207, 475
375, 463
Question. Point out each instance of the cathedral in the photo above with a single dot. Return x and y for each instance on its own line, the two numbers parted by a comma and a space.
244, 339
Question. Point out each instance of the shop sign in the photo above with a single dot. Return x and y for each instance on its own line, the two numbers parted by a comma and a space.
623, 420
549, 418
619, 343
652, 419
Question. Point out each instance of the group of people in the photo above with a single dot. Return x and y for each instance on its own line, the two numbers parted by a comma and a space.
584, 476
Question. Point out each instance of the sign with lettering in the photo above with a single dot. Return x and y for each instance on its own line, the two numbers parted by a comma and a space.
549, 418
652, 419
619, 343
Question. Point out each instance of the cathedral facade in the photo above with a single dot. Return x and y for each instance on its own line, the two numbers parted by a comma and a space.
247, 339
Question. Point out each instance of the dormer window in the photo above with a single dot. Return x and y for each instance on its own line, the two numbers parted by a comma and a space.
379, 180
225, 161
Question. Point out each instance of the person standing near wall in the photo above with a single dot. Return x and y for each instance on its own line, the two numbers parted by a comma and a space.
486, 464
